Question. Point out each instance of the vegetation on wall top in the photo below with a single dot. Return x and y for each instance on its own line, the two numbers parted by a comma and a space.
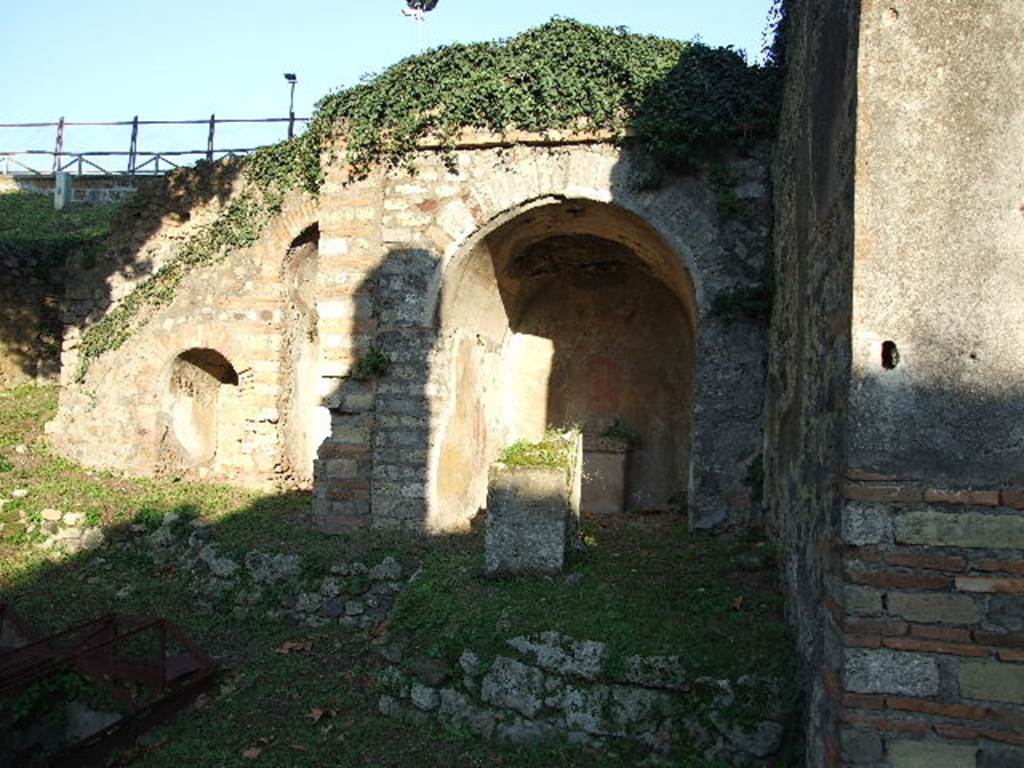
35, 233
678, 98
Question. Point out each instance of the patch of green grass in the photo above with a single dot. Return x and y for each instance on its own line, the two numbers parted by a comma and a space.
644, 587
552, 451
32, 228
375, 363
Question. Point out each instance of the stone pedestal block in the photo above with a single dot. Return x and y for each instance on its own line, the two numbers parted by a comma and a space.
531, 512
604, 476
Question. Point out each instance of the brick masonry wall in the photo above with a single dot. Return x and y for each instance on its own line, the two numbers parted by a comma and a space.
389, 245
929, 610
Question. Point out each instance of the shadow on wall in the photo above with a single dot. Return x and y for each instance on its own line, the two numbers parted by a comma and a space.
571, 312
94, 283
573, 307
566, 309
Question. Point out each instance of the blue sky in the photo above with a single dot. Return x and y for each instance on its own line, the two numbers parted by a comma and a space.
112, 59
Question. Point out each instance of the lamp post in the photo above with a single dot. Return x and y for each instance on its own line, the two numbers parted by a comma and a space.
291, 79
417, 10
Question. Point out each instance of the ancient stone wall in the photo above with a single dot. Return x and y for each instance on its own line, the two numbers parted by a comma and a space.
893, 451
391, 328
128, 413
85, 189
551, 686
932, 527
30, 317
809, 361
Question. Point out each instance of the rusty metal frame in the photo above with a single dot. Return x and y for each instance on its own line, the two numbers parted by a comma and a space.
149, 687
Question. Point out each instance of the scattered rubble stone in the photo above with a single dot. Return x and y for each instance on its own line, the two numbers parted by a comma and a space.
563, 655
387, 570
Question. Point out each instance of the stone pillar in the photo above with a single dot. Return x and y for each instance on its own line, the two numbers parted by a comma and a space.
350, 253
63, 191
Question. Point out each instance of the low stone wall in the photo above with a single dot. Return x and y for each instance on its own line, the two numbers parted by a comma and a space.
552, 686
929, 613
85, 189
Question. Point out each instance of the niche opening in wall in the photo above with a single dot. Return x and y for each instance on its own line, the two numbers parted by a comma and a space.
204, 388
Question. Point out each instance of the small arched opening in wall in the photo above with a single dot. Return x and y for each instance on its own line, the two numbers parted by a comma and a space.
304, 423
204, 409
571, 313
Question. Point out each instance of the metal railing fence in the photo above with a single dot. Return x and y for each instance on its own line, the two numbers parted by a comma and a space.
135, 161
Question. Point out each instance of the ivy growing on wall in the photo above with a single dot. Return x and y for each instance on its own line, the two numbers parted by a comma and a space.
678, 98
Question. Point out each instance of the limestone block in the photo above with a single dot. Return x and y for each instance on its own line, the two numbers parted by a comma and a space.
881, 671
604, 477
514, 685
934, 608
931, 754
866, 523
861, 747
961, 529
563, 655
527, 515
862, 601
992, 681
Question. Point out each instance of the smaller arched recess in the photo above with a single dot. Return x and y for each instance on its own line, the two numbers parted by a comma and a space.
203, 410
304, 423
571, 312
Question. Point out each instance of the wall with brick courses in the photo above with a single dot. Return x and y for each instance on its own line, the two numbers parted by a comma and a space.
929, 597
930, 607
902, 527
427, 226
85, 189
120, 416
390, 246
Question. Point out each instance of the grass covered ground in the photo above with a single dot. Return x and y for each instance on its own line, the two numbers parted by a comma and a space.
31, 227
641, 584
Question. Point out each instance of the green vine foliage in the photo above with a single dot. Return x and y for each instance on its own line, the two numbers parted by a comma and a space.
680, 99
239, 225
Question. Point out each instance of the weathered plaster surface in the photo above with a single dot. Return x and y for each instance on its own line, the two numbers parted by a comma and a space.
940, 233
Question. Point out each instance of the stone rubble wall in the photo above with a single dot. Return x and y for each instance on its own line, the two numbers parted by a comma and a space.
553, 687
893, 479
809, 358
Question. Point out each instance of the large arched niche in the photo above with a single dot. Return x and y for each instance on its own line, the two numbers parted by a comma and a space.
569, 312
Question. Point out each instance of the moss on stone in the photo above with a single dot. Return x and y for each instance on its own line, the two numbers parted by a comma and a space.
554, 451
